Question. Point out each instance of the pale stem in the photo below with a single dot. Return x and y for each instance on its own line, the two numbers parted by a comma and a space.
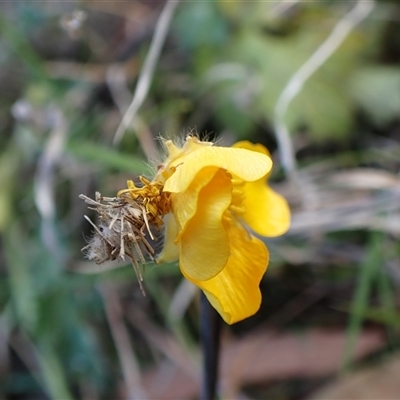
339, 33
147, 71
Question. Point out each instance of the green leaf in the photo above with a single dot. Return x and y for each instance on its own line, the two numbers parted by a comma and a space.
377, 90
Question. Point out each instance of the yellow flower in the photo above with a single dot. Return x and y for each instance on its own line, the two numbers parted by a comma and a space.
214, 192
206, 196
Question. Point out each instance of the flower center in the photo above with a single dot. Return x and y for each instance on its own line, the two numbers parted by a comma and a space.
155, 201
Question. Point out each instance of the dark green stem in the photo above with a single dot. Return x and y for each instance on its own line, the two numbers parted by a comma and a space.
210, 328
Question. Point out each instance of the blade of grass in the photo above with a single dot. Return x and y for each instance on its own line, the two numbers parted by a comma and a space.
21, 285
53, 374
387, 298
108, 157
366, 277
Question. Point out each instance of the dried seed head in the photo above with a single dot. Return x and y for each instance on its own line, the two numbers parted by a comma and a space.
125, 222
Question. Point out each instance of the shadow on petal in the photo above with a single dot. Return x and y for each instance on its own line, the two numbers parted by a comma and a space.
235, 292
204, 243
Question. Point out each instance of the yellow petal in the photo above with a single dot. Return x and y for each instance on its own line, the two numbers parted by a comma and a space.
184, 204
257, 147
235, 292
173, 150
175, 154
170, 251
266, 212
192, 143
245, 164
204, 245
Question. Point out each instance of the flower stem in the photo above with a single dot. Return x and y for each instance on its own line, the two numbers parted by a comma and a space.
210, 328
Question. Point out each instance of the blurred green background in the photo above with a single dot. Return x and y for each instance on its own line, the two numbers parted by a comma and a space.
72, 329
